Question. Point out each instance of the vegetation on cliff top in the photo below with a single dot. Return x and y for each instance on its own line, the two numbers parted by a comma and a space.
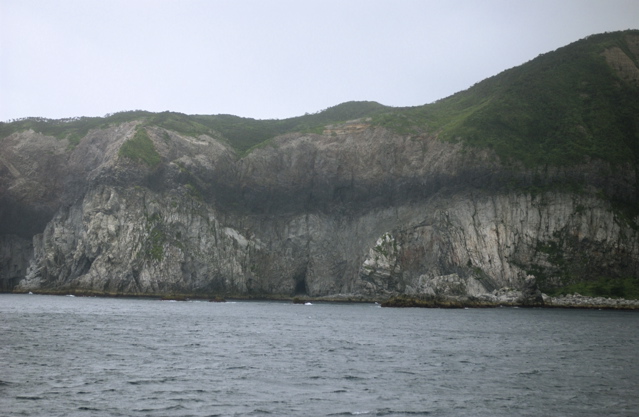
626, 287
558, 108
240, 132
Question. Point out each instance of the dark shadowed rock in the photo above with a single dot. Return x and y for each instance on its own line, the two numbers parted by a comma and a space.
530, 294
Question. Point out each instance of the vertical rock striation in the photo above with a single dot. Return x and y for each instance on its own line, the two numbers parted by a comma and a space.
362, 213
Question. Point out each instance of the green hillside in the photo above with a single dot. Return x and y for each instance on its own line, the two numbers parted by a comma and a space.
244, 133
240, 132
556, 109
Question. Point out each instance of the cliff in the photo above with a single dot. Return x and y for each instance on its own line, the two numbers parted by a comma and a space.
394, 201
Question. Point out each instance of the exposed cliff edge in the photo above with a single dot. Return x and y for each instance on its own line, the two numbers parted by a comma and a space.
362, 209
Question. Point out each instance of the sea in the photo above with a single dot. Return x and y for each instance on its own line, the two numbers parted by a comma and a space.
82, 356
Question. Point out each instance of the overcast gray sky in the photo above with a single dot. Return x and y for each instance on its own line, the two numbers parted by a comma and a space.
272, 58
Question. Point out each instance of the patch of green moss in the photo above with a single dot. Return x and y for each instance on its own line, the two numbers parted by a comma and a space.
627, 288
156, 243
194, 192
554, 252
140, 148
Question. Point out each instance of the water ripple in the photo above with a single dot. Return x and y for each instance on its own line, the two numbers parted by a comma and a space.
75, 356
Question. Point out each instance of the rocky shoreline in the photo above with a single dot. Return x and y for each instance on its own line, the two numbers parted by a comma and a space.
580, 301
513, 298
533, 297
505, 297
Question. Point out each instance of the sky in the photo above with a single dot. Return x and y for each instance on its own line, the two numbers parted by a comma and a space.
272, 59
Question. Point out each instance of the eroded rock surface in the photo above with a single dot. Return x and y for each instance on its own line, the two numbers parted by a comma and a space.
354, 212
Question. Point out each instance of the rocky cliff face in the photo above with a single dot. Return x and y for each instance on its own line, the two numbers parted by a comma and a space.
357, 211
146, 203
476, 243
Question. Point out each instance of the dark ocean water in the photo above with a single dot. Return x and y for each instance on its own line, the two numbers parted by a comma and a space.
72, 356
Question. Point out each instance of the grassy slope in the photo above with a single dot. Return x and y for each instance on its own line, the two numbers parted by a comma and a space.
244, 134
555, 109
240, 132
140, 148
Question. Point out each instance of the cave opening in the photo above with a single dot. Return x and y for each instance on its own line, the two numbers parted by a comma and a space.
300, 284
